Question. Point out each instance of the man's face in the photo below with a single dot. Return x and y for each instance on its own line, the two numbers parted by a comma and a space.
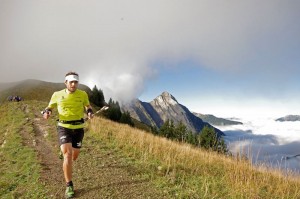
71, 85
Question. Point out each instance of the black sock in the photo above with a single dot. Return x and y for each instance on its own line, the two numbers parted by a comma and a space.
69, 183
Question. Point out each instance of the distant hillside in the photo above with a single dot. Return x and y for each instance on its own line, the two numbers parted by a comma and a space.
162, 108
33, 89
216, 121
4, 86
289, 118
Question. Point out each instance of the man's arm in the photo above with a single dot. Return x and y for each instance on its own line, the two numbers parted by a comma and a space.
48, 110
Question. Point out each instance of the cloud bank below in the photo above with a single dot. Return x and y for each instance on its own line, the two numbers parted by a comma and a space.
267, 142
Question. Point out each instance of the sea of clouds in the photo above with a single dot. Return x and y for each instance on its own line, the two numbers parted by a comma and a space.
266, 141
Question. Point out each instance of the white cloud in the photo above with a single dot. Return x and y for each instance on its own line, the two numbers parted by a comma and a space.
265, 141
110, 40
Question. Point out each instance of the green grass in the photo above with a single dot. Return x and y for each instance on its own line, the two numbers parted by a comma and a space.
183, 171
20, 170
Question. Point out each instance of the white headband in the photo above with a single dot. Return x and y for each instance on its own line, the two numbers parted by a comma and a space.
72, 78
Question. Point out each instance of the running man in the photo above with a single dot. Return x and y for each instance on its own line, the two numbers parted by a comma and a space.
71, 104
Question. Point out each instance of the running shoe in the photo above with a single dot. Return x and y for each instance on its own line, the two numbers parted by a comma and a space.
70, 192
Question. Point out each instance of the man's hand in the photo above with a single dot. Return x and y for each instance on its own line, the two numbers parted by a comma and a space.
90, 112
46, 113
90, 115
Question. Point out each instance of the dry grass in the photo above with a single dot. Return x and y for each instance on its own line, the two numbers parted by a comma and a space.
188, 172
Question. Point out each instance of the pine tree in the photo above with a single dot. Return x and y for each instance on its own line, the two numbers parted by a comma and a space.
192, 138
114, 112
180, 132
167, 129
209, 139
126, 119
97, 97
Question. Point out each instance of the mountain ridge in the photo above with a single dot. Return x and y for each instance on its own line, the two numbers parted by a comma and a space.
216, 121
289, 118
165, 107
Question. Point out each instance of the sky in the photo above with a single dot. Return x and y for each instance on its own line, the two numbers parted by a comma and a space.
225, 58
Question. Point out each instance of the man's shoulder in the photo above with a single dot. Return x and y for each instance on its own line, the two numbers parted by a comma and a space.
81, 92
59, 92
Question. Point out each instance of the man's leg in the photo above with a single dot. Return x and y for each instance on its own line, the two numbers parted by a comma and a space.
77, 142
65, 140
67, 151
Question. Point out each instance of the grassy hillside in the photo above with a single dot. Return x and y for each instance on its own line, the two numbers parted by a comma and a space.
4, 85
187, 172
118, 161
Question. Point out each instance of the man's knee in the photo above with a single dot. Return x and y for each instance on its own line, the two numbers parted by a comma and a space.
66, 150
75, 154
68, 154
75, 158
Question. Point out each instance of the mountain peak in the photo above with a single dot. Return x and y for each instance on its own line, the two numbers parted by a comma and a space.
167, 98
165, 107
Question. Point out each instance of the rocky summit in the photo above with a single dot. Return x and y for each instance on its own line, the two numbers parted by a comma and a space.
165, 107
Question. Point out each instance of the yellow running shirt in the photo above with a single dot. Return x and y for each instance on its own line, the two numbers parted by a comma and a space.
70, 106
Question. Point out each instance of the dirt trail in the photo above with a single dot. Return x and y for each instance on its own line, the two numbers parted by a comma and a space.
99, 172
51, 176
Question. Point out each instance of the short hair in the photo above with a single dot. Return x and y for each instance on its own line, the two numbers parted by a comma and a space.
71, 73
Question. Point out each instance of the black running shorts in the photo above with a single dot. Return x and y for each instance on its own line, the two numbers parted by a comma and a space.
73, 136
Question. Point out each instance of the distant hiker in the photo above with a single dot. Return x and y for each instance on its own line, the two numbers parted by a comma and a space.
14, 98
71, 104
10, 98
17, 98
